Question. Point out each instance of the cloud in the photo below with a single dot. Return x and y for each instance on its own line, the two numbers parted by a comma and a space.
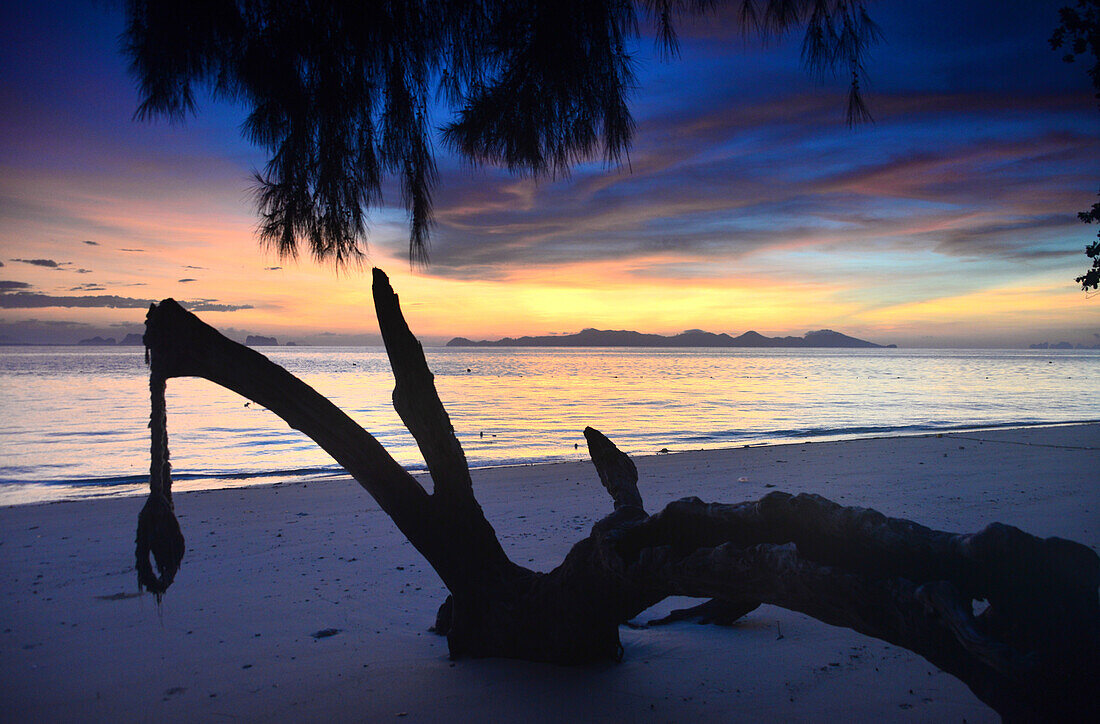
132, 250
186, 280
91, 287
48, 263
8, 285
212, 305
1013, 238
272, 268
29, 300
189, 266
738, 178
1, 263
51, 264
692, 179
91, 243
1040, 170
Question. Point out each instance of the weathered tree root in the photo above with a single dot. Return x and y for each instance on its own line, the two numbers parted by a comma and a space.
1029, 655
715, 611
1033, 654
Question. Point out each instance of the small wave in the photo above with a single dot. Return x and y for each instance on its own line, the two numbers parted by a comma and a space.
862, 430
120, 480
90, 433
632, 443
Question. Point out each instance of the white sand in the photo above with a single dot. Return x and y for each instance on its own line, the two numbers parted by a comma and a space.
267, 567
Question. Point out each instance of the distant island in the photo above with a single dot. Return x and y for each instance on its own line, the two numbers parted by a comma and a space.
253, 340
97, 341
1062, 345
691, 338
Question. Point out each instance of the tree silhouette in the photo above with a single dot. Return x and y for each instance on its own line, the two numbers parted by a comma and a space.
1091, 277
1079, 34
1033, 654
341, 93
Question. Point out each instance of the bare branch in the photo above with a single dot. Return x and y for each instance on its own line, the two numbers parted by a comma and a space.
415, 397
616, 470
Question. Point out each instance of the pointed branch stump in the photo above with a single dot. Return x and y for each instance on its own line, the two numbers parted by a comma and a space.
1033, 654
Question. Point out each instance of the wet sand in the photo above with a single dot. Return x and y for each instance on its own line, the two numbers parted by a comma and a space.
271, 570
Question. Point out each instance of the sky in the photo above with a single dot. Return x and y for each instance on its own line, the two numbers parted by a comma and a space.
747, 203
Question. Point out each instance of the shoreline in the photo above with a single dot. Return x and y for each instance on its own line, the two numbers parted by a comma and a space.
186, 484
270, 567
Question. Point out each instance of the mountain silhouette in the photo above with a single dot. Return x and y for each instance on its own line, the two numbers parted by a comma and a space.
691, 338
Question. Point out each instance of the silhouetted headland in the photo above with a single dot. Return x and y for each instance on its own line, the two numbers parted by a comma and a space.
691, 338
1062, 345
97, 341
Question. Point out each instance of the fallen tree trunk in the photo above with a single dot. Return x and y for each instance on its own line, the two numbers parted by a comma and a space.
1032, 654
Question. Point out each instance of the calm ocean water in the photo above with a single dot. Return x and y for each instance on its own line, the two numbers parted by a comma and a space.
74, 418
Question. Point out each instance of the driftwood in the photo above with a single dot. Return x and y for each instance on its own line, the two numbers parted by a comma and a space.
1031, 654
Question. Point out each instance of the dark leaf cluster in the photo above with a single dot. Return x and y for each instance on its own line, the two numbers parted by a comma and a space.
340, 93
1091, 278
838, 36
1079, 34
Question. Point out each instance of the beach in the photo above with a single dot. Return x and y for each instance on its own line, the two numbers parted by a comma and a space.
302, 600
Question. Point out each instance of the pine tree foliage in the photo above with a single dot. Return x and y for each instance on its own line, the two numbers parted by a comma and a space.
341, 93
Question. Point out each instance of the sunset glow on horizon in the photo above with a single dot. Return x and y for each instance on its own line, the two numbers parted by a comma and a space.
746, 202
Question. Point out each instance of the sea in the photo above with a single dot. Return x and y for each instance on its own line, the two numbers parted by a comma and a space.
74, 420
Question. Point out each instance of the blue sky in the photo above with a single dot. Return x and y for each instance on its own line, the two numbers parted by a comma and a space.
747, 202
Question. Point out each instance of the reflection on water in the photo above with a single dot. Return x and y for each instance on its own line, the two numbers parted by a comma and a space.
74, 421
